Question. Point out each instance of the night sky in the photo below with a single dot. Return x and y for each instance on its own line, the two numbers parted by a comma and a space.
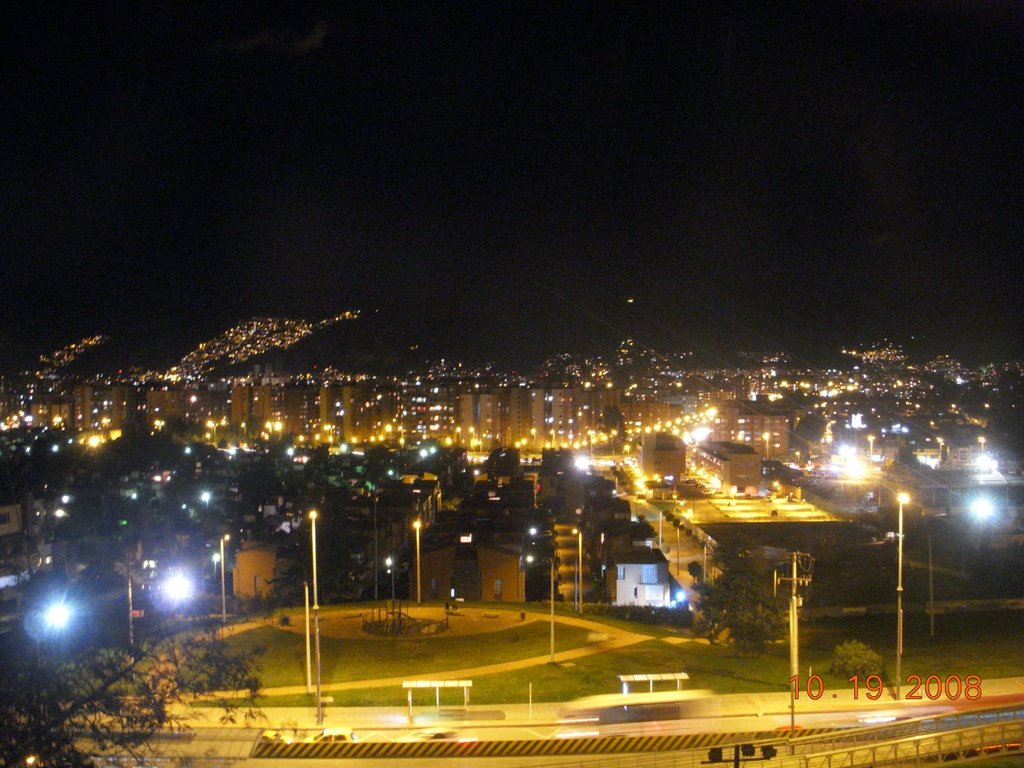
497, 179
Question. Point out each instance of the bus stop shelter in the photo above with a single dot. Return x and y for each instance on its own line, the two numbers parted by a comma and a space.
652, 679
437, 685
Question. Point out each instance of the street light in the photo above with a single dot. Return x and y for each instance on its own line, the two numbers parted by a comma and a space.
902, 498
131, 608
982, 508
316, 624
223, 592
677, 524
178, 588
579, 570
527, 561
417, 524
375, 558
57, 616
552, 561
525, 558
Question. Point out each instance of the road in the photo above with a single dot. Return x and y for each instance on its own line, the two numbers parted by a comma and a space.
516, 742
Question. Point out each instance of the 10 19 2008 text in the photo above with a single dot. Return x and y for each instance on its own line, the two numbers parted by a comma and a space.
872, 687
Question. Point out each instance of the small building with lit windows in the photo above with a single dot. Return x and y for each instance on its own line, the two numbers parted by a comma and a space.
662, 455
639, 576
734, 468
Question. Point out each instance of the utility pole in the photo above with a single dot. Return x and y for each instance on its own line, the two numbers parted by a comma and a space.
931, 591
131, 608
799, 561
309, 664
552, 657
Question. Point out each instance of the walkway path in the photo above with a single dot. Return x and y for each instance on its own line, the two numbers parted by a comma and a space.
471, 621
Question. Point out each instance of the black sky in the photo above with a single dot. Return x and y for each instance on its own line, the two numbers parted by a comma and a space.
498, 178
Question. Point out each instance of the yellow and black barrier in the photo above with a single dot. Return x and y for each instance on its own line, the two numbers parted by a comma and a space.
588, 745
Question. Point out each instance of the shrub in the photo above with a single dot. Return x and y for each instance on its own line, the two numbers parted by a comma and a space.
854, 658
665, 617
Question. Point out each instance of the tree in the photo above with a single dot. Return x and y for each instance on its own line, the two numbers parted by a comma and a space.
111, 699
741, 604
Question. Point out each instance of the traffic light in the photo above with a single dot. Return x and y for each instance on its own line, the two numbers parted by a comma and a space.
768, 752
715, 755
747, 750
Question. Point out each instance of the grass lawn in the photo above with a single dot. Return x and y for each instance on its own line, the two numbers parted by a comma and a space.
284, 657
987, 645
984, 644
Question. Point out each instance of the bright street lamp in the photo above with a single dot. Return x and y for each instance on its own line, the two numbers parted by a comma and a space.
178, 587
375, 558
526, 562
552, 561
579, 570
982, 508
57, 616
902, 498
417, 524
389, 563
316, 624
223, 593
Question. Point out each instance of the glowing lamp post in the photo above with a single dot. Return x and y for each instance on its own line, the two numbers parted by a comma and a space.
417, 524
223, 591
527, 562
902, 498
579, 569
178, 588
54, 619
552, 561
316, 624
981, 509
57, 617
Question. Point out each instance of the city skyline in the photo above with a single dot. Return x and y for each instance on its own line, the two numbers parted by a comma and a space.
482, 181
307, 350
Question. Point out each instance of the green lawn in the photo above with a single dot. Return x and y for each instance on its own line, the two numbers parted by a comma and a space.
984, 644
987, 645
284, 657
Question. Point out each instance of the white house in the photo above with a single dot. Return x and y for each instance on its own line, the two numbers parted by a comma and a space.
639, 576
